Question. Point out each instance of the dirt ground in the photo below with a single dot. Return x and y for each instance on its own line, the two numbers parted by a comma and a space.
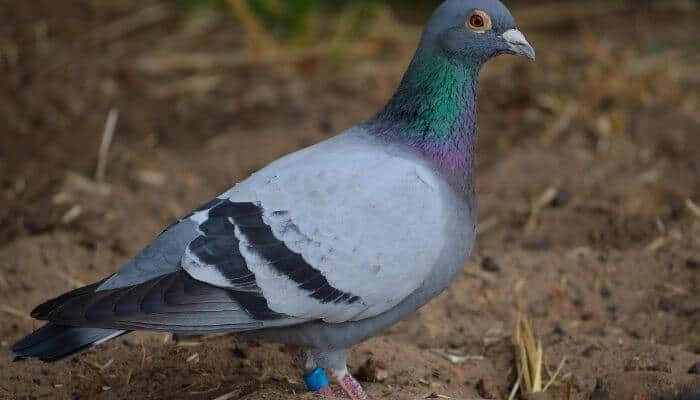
588, 169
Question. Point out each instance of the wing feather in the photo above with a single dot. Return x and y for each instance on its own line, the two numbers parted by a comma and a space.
174, 302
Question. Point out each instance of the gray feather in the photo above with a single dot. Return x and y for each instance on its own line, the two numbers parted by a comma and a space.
160, 257
54, 342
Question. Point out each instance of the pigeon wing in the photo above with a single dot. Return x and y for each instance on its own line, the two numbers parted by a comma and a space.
340, 231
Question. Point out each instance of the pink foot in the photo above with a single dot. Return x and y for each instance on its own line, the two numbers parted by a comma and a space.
325, 393
352, 387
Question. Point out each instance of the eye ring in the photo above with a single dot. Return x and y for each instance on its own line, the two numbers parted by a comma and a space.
479, 21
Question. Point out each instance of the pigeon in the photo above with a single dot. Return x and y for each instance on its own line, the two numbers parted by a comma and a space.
325, 247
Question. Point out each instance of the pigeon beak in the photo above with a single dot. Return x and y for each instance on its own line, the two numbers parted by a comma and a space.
518, 45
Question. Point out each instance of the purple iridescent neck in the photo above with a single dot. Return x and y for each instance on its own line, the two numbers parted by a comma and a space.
434, 112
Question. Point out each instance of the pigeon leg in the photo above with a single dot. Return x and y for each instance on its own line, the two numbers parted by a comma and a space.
352, 387
337, 362
314, 377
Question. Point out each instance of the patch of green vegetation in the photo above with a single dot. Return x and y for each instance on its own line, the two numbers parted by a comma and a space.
285, 18
290, 20
200, 6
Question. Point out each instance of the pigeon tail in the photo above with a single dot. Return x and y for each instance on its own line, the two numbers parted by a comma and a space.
54, 342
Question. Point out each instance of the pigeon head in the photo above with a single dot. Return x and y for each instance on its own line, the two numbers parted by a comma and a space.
434, 107
474, 31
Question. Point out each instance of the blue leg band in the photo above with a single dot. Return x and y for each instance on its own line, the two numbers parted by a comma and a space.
316, 380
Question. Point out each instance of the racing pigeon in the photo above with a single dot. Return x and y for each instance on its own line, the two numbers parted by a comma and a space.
324, 247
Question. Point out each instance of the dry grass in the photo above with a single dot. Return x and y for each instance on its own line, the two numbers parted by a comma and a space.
255, 33
694, 208
536, 208
529, 356
107, 136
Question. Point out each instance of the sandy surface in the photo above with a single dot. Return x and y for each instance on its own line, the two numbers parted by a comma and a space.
608, 268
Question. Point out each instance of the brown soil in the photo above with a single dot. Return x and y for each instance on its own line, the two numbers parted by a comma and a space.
608, 268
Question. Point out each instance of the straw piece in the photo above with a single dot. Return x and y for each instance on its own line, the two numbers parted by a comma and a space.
228, 395
556, 374
256, 35
656, 245
694, 208
529, 355
107, 135
516, 386
536, 207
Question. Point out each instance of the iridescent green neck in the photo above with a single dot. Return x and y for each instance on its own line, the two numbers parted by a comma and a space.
435, 101
434, 111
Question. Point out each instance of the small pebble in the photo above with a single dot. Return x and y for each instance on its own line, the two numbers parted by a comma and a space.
240, 352
487, 388
562, 199
599, 393
669, 307
605, 292
457, 342
490, 265
588, 352
375, 371
558, 330
695, 369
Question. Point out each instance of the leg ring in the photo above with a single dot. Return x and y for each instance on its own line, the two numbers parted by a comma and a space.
316, 379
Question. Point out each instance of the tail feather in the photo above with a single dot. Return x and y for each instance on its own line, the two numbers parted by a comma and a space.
54, 342
42, 311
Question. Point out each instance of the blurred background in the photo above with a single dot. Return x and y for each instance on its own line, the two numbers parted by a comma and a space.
117, 117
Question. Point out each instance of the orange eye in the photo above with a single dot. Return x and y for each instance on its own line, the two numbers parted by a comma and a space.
479, 21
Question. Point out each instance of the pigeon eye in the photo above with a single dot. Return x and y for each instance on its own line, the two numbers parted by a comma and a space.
479, 21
